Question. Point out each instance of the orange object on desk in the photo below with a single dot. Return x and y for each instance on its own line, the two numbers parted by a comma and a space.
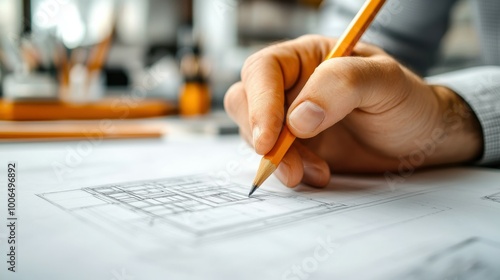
74, 130
112, 108
194, 99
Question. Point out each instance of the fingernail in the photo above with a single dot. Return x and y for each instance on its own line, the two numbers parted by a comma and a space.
306, 117
255, 135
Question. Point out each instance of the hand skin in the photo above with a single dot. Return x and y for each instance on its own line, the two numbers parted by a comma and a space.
361, 114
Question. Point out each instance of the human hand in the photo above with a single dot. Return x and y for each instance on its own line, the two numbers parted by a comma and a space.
360, 114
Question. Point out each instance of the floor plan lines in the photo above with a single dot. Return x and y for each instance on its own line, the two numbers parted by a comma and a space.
201, 207
195, 204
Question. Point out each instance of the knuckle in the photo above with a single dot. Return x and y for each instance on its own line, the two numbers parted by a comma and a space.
389, 70
317, 40
389, 79
247, 66
256, 60
364, 49
250, 64
273, 119
387, 63
345, 72
310, 37
233, 98
353, 73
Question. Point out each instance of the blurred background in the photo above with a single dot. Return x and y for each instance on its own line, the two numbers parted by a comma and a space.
120, 59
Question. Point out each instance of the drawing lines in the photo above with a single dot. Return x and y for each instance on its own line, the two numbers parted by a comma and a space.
199, 206
493, 197
194, 204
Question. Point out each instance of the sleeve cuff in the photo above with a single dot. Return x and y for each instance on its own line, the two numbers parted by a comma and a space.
480, 88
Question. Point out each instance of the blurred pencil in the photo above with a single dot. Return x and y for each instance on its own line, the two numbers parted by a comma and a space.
98, 54
344, 47
96, 60
64, 67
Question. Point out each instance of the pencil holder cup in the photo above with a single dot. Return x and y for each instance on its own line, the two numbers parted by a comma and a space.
84, 86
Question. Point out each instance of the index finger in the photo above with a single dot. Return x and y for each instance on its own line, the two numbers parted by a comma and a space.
268, 74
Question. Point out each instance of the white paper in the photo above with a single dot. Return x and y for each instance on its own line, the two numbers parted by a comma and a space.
154, 209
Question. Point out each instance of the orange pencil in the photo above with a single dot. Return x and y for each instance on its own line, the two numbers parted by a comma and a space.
63, 68
98, 54
344, 47
96, 60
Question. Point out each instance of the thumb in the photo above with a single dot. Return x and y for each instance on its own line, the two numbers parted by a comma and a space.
336, 88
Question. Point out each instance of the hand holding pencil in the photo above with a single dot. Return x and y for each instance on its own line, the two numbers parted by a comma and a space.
360, 114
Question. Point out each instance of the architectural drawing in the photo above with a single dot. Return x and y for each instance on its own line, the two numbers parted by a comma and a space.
194, 204
198, 205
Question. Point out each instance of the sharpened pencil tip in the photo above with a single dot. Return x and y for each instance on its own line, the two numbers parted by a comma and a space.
254, 187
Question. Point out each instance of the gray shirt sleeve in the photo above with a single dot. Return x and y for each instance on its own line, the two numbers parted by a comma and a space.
480, 88
411, 31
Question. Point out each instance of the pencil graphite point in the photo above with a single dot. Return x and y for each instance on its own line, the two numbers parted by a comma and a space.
254, 187
266, 168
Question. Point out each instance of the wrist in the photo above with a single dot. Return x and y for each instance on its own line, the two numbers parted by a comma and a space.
460, 132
